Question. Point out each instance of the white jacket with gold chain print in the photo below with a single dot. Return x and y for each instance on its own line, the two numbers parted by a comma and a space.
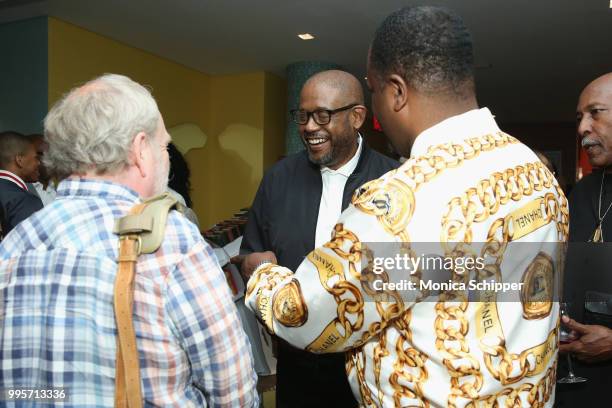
465, 182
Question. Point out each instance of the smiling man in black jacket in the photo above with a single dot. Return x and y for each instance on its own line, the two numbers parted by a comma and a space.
295, 209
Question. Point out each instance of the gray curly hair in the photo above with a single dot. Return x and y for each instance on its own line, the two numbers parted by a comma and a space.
93, 126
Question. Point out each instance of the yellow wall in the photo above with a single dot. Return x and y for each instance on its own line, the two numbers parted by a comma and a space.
275, 117
237, 128
234, 111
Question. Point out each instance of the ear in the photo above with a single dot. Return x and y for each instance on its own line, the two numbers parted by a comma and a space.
140, 152
399, 92
358, 116
19, 160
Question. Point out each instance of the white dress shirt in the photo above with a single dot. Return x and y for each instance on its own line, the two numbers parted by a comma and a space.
331, 196
47, 195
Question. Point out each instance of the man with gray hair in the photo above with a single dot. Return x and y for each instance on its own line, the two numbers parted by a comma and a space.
107, 141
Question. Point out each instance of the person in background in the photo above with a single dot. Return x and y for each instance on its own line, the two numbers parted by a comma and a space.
2, 222
178, 182
591, 221
108, 145
592, 195
295, 209
553, 169
19, 165
44, 187
544, 159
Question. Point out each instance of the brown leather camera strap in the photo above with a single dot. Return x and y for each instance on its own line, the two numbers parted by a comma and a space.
140, 232
128, 393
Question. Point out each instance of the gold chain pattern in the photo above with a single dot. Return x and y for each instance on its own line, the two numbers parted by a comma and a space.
340, 236
408, 357
451, 327
409, 366
355, 360
476, 205
497, 190
537, 394
270, 274
353, 304
393, 203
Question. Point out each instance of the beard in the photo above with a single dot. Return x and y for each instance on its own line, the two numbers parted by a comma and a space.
162, 174
319, 159
324, 160
340, 147
161, 180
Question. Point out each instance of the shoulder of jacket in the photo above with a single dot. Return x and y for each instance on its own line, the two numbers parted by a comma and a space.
375, 157
584, 185
287, 164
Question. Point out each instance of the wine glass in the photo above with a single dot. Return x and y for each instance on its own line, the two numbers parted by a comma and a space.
567, 336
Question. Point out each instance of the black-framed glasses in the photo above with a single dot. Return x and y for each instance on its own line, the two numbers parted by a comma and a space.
320, 116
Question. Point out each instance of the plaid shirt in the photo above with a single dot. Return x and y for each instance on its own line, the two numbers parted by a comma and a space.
57, 327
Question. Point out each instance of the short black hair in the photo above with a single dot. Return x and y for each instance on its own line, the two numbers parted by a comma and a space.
179, 174
36, 137
430, 47
12, 144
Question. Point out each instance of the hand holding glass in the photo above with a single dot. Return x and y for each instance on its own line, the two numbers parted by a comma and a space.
566, 335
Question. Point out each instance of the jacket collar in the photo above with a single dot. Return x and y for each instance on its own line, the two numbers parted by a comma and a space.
13, 178
473, 123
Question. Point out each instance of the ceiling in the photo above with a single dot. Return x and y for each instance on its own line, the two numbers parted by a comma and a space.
532, 56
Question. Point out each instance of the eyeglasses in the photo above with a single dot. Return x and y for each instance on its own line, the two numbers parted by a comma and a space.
320, 116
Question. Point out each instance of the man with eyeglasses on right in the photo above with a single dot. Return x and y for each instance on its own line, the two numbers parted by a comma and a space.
296, 207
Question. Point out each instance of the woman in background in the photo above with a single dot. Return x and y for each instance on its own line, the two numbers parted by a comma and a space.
178, 182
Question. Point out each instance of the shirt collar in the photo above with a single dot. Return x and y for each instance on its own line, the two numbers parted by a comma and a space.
80, 187
474, 123
12, 177
349, 167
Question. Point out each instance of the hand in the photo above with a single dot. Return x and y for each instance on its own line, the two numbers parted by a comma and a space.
594, 344
252, 261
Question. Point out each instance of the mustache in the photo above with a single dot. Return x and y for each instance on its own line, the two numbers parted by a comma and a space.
589, 141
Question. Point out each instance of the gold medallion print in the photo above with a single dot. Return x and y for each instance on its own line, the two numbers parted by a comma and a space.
391, 201
538, 286
289, 307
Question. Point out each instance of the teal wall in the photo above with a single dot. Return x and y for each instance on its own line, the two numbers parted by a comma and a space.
23, 75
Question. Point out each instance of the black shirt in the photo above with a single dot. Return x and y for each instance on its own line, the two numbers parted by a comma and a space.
17, 204
584, 203
587, 269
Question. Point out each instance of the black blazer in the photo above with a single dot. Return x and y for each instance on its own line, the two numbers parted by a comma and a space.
17, 204
283, 217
